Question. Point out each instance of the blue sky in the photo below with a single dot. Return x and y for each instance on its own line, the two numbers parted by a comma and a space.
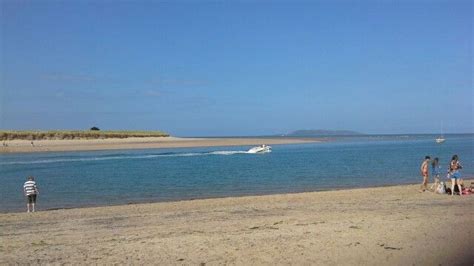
195, 68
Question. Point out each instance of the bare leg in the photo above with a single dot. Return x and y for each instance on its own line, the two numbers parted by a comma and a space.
436, 183
423, 185
459, 187
425, 182
27, 207
33, 207
453, 182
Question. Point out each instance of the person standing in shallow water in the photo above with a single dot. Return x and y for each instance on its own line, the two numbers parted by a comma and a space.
424, 173
30, 190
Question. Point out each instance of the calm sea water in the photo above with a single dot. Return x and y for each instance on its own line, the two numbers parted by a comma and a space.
74, 179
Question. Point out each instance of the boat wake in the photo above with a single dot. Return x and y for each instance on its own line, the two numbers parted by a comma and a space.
124, 157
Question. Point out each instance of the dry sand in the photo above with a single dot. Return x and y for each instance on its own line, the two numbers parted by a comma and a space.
137, 143
375, 226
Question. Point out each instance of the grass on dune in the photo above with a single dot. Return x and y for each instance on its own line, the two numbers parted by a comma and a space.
75, 134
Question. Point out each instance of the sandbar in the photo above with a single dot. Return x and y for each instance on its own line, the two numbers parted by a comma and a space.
25, 146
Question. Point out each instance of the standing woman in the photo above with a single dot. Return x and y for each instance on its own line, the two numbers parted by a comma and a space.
455, 174
435, 172
424, 173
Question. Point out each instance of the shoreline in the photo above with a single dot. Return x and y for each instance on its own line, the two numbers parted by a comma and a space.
25, 146
331, 189
468, 180
365, 226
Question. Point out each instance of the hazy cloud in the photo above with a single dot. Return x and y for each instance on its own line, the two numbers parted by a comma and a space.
179, 82
153, 93
59, 94
197, 101
186, 82
68, 77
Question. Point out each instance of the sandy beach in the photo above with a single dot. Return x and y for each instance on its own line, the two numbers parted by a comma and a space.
389, 225
25, 146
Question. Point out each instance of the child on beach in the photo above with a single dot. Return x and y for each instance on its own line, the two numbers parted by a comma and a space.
30, 190
455, 174
435, 172
424, 173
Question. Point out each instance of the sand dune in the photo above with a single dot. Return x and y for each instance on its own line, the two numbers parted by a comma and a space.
374, 226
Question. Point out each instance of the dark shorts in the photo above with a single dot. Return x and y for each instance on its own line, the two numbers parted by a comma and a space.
31, 198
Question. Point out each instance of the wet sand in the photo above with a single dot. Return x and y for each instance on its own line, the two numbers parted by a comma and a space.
25, 146
374, 226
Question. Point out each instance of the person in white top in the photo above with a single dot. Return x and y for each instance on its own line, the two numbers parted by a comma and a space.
30, 190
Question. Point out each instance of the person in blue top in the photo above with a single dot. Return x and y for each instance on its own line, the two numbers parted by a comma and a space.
455, 174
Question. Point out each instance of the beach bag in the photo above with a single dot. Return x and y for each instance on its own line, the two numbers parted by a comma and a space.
456, 189
448, 191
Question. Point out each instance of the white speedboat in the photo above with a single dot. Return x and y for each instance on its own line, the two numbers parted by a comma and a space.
260, 149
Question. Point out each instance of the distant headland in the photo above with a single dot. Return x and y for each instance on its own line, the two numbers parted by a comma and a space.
322, 132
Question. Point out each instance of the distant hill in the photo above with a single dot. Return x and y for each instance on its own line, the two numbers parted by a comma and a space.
322, 132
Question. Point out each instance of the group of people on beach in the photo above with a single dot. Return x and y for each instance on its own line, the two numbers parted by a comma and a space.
453, 173
5, 144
